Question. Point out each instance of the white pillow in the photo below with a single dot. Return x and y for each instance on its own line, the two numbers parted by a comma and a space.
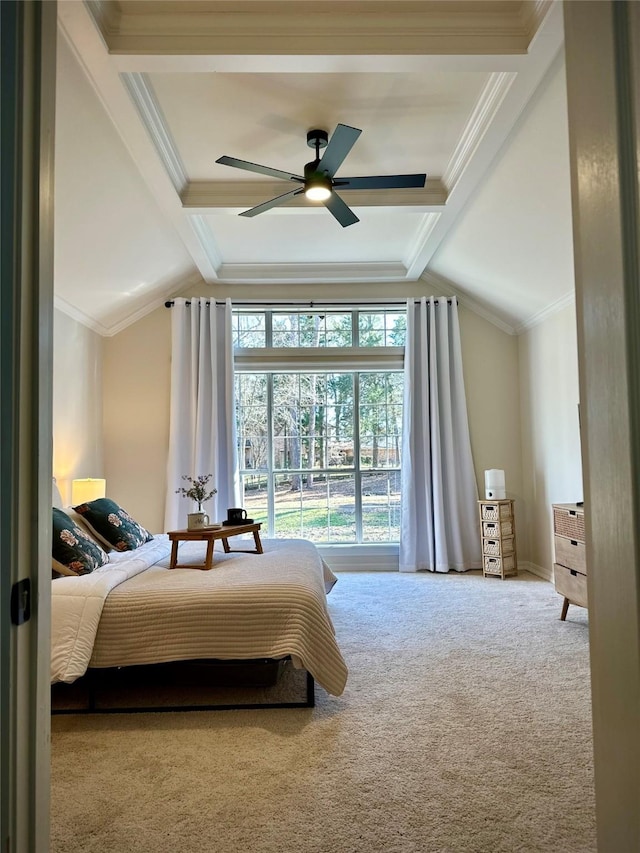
56, 497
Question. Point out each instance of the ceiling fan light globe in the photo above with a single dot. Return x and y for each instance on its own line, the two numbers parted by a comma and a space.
318, 192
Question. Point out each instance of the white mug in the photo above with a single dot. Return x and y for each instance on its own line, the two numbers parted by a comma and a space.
197, 520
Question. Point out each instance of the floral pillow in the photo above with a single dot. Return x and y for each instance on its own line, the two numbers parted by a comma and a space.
73, 551
112, 525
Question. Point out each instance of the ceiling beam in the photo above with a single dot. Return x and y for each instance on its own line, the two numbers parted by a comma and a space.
205, 196
333, 27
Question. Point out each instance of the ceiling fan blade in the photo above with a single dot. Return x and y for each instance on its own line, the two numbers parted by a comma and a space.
262, 170
267, 205
381, 182
340, 210
342, 141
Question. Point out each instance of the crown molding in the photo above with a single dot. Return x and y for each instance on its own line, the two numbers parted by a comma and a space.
347, 27
142, 94
106, 16
207, 243
168, 292
538, 318
203, 196
533, 14
311, 273
444, 286
79, 316
429, 222
479, 122
108, 329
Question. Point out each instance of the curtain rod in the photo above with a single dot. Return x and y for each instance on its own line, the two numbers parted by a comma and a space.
314, 304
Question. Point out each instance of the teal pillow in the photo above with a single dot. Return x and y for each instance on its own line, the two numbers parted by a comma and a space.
73, 551
112, 525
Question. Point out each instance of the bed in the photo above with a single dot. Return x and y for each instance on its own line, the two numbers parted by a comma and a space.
116, 604
135, 611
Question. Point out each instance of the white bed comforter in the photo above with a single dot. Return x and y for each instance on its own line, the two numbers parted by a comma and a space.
136, 611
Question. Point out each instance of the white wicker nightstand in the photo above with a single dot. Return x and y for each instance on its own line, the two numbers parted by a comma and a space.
498, 532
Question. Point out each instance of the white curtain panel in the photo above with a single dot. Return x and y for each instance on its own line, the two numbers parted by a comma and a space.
202, 432
439, 517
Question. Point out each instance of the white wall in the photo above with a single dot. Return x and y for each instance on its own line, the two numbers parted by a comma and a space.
77, 403
137, 368
549, 398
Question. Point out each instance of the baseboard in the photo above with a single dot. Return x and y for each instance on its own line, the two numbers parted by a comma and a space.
384, 558
533, 569
360, 558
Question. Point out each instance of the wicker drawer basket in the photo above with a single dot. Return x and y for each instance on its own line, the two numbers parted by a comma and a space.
494, 512
499, 565
568, 523
495, 529
498, 547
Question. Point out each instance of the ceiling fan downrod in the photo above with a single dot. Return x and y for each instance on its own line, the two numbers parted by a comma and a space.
317, 185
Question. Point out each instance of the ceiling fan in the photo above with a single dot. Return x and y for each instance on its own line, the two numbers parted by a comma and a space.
319, 182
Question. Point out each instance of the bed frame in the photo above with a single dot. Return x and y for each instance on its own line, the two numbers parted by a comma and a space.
258, 673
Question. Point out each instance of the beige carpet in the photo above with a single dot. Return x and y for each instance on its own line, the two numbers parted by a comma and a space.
465, 727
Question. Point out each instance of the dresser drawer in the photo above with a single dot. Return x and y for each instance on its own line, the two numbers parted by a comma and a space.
571, 584
570, 553
568, 523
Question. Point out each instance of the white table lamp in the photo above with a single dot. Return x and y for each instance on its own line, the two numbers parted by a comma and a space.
88, 489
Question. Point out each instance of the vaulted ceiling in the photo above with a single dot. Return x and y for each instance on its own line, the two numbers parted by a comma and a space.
150, 94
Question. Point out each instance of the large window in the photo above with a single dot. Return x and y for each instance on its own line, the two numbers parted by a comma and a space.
319, 415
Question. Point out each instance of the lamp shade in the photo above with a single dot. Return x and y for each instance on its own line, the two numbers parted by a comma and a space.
88, 489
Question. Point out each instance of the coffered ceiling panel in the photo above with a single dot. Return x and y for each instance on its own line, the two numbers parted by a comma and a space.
379, 238
410, 122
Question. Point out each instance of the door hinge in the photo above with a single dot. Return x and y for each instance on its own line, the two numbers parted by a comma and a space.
21, 601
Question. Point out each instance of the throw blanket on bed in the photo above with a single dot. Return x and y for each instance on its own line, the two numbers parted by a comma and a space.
137, 611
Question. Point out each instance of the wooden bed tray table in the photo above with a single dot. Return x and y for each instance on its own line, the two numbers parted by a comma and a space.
210, 535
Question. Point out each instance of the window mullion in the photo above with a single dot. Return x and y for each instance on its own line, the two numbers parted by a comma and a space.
356, 456
270, 461
268, 328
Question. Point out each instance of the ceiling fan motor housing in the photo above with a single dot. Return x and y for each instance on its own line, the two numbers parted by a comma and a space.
316, 179
318, 138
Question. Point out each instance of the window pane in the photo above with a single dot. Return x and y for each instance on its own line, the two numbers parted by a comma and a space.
249, 330
255, 497
319, 506
331, 329
381, 506
339, 330
312, 420
382, 328
251, 414
380, 419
